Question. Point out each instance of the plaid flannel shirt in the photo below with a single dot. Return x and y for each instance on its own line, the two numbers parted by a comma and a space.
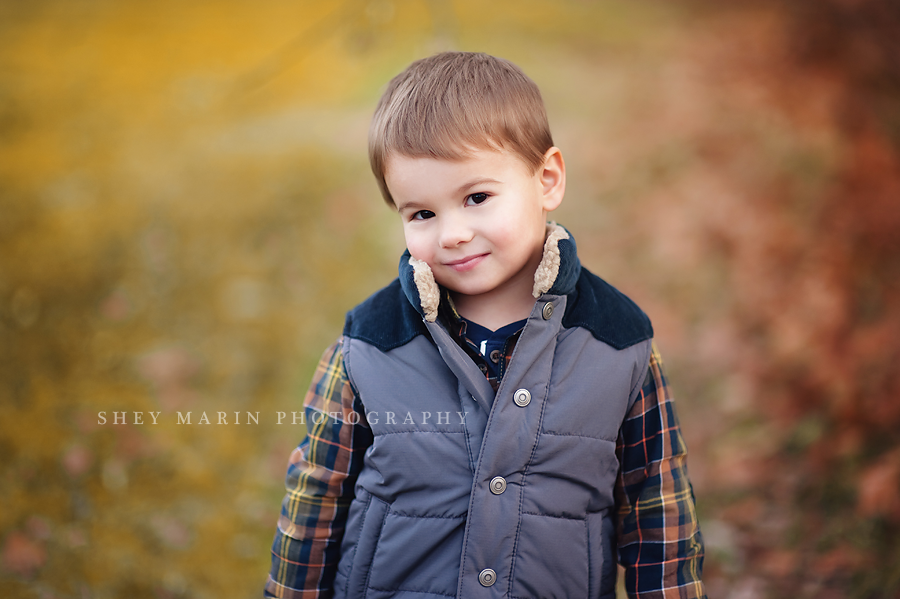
658, 535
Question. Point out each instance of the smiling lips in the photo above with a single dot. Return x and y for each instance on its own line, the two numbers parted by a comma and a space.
467, 263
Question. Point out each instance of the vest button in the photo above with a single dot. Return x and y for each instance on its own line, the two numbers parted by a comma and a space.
547, 312
522, 398
498, 485
487, 577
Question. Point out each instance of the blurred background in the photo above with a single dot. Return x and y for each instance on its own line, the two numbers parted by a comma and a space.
186, 213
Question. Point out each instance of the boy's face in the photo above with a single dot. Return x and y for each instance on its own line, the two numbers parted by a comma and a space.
479, 223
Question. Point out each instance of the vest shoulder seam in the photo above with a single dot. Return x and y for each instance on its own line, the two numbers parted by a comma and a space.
610, 315
385, 319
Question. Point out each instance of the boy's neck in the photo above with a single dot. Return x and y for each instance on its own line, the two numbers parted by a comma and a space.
499, 307
491, 317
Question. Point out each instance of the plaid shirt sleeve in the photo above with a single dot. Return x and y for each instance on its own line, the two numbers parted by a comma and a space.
658, 534
320, 484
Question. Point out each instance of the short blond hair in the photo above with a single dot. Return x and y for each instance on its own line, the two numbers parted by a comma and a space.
445, 105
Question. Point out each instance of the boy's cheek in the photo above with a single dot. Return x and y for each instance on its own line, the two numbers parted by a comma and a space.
417, 249
411, 241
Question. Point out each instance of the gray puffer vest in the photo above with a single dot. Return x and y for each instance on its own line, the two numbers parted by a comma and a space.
469, 494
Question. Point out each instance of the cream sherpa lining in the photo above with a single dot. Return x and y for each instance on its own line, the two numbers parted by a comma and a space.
544, 276
548, 269
429, 292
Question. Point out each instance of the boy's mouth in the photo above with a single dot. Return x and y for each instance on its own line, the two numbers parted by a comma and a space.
467, 263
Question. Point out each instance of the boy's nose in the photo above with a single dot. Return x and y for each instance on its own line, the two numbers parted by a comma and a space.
455, 231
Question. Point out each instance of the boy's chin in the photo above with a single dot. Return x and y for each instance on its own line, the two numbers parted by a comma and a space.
470, 290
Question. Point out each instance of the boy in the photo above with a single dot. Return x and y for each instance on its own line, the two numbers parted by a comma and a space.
494, 423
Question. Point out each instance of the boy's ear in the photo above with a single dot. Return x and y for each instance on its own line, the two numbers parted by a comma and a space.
553, 179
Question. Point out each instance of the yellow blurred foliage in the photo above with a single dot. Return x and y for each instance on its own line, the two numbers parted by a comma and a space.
185, 214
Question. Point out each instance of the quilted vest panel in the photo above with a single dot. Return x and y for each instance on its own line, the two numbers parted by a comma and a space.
431, 514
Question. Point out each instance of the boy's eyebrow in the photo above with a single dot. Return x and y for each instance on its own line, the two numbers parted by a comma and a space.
401, 206
475, 182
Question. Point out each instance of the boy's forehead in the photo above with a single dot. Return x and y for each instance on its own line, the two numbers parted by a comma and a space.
485, 160
449, 153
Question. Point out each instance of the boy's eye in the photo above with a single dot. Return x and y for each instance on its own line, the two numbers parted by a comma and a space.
476, 198
422, 215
